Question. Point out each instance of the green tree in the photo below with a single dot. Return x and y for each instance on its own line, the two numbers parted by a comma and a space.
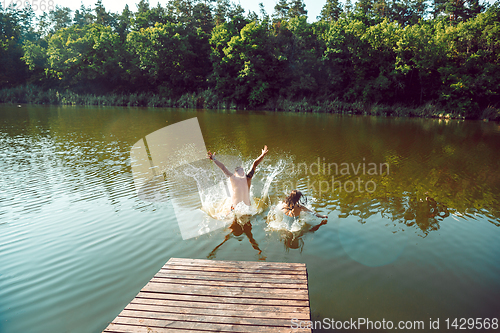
85, 59
296, 51
142, 16
102, 16
181, 11
297, 8
381, 8
158, 14
281, 10
421, 8
83, 16
468, 83
418, 58
342, 43
202, 17
124, 23
364, 8
13, 71
165, 59
331, 11
243, 73
237, 17
438, 8
456, 9
348, 6
462, 10
263, 13
401, 12
221, 11
60, 18
35, 57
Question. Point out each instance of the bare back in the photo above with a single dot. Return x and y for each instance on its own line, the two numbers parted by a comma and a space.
241, 189
293, 212
240, 182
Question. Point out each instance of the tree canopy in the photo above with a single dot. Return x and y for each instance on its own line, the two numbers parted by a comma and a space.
372, 51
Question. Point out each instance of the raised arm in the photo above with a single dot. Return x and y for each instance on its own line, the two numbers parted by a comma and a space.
219, 164
258, 160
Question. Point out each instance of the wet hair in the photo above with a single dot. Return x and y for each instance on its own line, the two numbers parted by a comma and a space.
293, 199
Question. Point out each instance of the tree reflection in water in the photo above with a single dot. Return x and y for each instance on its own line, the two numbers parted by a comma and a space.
425, 213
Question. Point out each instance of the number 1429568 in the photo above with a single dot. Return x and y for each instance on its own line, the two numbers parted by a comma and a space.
35, 5
472, 323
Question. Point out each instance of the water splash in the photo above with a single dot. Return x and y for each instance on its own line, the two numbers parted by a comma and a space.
278, 221
215, 190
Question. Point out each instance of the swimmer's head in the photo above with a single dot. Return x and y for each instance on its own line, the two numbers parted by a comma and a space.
239, 171
293, 198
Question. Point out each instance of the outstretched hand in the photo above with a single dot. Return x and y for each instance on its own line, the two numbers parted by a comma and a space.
210, 155
264, 151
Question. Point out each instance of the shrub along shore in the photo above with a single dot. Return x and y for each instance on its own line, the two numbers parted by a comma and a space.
209, 100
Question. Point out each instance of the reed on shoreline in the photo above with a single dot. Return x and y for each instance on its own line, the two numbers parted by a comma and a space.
208, 99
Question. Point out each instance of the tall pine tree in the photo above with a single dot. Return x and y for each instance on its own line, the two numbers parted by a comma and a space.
331, 11
297, 8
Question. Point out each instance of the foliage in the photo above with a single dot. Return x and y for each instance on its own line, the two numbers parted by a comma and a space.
373, 56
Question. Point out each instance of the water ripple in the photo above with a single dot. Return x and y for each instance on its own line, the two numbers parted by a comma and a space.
77, 244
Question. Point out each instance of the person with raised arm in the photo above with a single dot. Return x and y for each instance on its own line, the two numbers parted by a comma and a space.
240, 182
292, 206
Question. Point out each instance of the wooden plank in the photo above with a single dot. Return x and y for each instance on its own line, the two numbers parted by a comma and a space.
239, 267
194, 295
230, 283
225, 292
214, 319
228, 300
224, 277
200, 326
232, 286
213, 263
130, 328
222, 306
236, 275
218, 312
249, 270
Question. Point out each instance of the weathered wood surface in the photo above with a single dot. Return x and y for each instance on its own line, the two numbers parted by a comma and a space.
194, 295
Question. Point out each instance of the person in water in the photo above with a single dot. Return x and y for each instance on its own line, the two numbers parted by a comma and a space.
292, 206
240, 182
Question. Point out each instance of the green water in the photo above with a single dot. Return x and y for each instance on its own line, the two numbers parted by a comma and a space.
412, 205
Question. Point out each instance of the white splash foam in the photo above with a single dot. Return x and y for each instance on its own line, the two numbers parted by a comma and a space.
214, 190
277, 221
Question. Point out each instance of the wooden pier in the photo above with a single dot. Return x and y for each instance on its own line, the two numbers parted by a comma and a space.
193, 295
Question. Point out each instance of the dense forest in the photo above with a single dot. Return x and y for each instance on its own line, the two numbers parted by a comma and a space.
394, 57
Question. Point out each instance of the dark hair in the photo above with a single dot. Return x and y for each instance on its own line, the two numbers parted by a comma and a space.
293, 199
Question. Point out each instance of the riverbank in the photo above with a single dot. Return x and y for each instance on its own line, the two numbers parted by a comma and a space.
209, 100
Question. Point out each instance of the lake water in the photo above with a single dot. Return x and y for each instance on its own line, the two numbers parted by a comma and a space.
413, 213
